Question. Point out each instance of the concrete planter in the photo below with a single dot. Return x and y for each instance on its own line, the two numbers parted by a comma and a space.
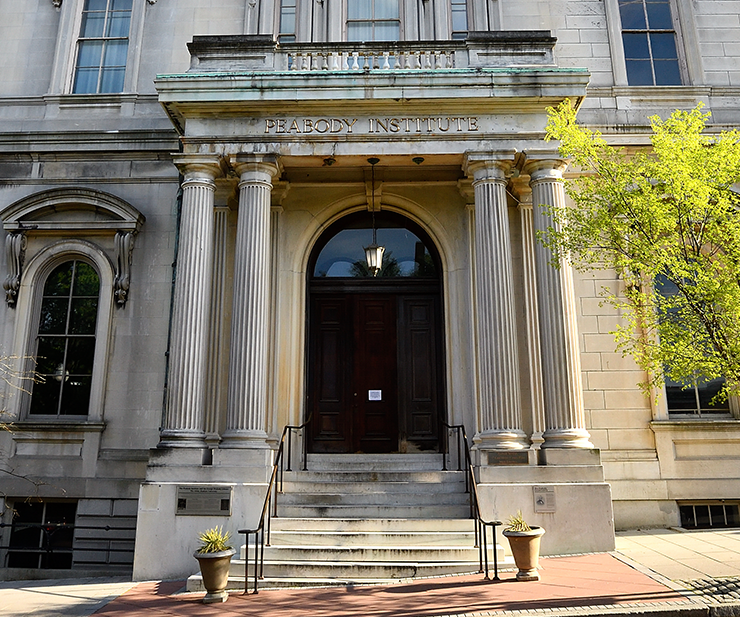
214, 567
525, 547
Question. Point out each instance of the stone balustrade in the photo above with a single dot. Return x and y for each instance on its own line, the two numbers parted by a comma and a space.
362, 58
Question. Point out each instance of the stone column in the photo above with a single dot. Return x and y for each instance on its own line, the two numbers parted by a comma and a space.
247, 395
184, 417
524, 193
561, 365
498, 365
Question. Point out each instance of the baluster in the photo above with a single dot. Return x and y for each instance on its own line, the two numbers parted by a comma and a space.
355, 61
345, 63
386, 60
307, 61
427, 60
417, 59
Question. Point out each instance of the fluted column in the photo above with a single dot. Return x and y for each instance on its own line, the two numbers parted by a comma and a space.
524, 194
247, 395
498, 365
561, 366
184, 416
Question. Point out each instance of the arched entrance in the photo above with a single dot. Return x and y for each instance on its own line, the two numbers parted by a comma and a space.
375, 353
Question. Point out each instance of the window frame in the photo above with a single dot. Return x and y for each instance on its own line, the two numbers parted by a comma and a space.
401, 30
30, 296
687, 45
68, 36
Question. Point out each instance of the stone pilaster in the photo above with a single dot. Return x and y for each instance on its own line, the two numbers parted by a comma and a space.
247, 395
499, 403
561, 366
184, 417
537, 405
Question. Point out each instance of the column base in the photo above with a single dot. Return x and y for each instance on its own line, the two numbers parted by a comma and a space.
504, 440
567, 438
241, 438
181, 438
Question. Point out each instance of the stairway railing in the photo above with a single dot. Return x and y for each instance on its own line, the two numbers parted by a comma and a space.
269, 508
471, 487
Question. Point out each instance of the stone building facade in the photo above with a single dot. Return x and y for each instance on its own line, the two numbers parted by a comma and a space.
186, 190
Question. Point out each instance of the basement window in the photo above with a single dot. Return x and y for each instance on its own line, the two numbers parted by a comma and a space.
707, 515
41, 535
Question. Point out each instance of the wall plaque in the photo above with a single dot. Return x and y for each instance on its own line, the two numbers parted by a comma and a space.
544, 498
204, 500
374, 395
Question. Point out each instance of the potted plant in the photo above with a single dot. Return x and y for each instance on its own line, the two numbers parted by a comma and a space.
525, 546
214, 557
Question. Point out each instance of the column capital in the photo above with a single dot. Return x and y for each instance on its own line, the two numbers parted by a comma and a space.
544, 165
256, 167
494, 165
198, 166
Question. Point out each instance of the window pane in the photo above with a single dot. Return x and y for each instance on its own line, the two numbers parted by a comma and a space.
360, 31
707, 391
667, 73
121, 5
639, 73
118, 25
50, 355
702, 516
86, 282
96, 5
659, 15
45, 399
633, 14
687, 516
459, 19
80, 354
733, 516
636, 46
53, 316
83, 316
360, 9
86, 81
718, 516
112, 80
386, 9
115, 54
387, 31
678, 399
92, 25
90, 54
59, 281
76, 396
663, 45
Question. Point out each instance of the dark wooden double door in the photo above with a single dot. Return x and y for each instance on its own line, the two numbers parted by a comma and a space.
375, 379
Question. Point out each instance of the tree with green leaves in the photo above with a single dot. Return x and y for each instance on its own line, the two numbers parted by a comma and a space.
666, 219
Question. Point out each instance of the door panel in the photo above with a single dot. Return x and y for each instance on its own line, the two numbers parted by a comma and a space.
420, 372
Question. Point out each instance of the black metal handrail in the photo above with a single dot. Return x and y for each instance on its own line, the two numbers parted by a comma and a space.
262, 531
471, 487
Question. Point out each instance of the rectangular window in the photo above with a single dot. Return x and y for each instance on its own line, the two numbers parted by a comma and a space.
102, 46
459, 12
709, 514
41, 535
373, 20
287, 21
649, 37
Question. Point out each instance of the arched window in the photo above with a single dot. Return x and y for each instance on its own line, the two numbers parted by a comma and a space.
65, 343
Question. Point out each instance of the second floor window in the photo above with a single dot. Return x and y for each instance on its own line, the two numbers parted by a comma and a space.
102, 47
287, 21
649, 37
373, 20
459, 12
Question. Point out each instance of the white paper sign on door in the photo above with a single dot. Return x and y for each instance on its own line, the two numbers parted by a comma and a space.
374, 395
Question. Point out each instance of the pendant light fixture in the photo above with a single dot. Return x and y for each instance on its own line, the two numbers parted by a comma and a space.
373, 252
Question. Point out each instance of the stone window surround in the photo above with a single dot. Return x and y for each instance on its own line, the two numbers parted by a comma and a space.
65, 54
64, 240
687, 44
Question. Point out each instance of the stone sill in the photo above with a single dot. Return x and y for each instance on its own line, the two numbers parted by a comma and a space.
704, 423
57, 426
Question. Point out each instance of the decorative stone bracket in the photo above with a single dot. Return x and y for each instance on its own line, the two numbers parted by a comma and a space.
15, 250
124, 245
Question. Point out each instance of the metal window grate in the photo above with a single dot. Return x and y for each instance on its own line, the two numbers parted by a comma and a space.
707, 515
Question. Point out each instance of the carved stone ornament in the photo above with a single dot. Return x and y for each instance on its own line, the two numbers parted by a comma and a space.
152, 1
57, 4
124, 246
15, 249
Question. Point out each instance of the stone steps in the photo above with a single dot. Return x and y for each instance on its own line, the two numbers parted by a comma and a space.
363, 519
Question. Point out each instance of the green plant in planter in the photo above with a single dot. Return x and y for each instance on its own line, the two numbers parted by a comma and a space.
516, 522
214, 540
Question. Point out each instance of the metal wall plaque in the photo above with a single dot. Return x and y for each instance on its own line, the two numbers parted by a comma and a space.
374, 395
204, 500
544, 498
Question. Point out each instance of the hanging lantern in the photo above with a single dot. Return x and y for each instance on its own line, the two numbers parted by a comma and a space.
373, 252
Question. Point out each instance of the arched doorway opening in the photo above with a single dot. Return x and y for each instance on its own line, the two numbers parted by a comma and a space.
375, 343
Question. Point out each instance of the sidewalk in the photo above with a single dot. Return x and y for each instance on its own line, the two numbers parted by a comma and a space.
656, 573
